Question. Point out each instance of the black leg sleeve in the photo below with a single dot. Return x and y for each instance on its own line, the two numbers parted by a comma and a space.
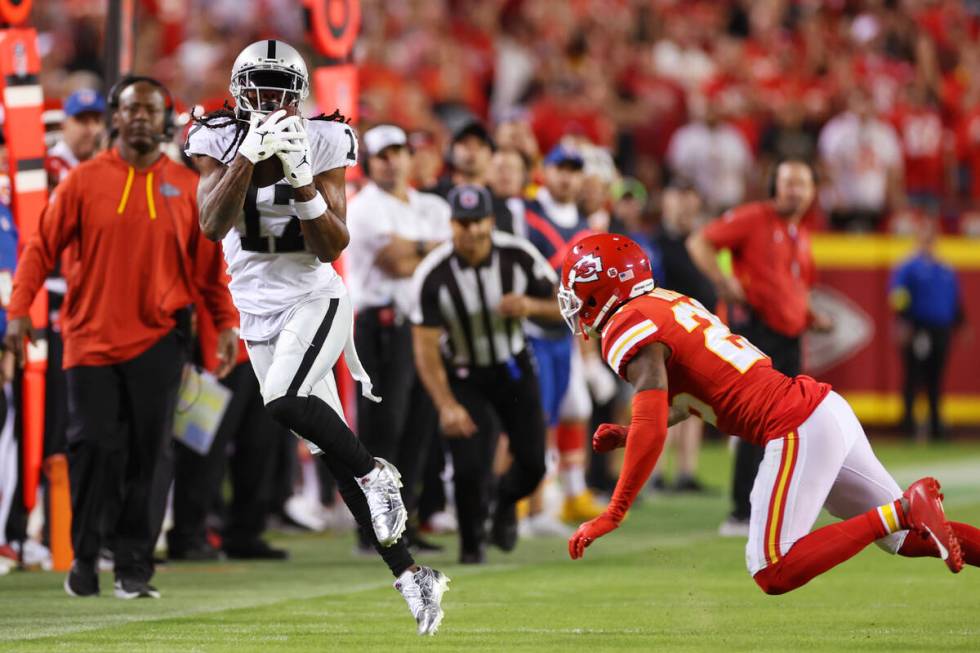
314, 420
397, 556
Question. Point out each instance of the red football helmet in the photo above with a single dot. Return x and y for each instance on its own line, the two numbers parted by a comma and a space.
599, 274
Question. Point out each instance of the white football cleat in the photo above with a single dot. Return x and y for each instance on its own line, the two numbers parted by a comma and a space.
388, 514
423, 590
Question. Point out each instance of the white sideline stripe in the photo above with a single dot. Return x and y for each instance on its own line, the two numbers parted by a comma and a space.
112, 621
960, 480
965, 472
15, 97
30, 181
20, 633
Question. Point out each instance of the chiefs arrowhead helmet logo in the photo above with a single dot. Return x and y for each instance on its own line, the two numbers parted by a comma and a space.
586, 268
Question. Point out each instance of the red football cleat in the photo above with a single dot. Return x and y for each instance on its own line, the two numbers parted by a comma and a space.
926, 516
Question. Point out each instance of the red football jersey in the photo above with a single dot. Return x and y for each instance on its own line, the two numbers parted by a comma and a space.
712, 373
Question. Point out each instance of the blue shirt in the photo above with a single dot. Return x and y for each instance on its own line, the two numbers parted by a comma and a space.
8, 261
553, 241
928, 291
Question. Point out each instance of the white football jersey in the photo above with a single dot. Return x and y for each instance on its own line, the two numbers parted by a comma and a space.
271, 270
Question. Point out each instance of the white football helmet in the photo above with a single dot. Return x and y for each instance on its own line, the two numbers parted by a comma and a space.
267, 76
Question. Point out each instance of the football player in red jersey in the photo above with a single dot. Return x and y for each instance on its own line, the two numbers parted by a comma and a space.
682, 360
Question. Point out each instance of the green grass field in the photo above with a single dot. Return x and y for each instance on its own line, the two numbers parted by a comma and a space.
663, 581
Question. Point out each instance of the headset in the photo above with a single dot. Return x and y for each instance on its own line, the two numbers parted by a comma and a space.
169, 127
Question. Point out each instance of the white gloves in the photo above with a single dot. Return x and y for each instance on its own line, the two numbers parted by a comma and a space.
296, 162
272, 136
599, 379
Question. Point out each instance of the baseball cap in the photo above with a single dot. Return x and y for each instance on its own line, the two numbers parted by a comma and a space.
629, 186
84, 100
562, 155
473, 128
682, 184
470, 202
383, 136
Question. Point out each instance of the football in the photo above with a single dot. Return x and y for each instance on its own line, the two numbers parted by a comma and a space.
267, 172
270, 171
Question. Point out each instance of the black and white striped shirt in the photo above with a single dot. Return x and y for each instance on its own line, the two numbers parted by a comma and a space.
463, 300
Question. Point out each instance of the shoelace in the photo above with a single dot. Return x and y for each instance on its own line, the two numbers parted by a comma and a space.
380, 498
419, 592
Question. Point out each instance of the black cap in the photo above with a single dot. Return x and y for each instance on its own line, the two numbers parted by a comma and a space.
470, 202
473, 128
682, 184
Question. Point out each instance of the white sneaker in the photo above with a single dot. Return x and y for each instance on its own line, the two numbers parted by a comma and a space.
545, 525
443, 522
423, 590
733, 527
388, 514
300, 510
35, 553
338, 518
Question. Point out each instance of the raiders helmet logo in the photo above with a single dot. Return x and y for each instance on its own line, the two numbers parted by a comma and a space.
586, 268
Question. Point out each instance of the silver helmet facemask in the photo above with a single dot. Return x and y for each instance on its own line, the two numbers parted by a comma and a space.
268, 76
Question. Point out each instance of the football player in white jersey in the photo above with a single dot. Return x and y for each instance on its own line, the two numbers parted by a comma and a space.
272, 190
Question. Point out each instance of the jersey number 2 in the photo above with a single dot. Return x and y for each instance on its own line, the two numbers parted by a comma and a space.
733, 349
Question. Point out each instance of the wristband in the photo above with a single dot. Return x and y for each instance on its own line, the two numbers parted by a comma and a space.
311, 209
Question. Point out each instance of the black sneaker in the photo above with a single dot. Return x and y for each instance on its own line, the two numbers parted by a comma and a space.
131, 588
419, 544
477, 557
199, 552
688, 484
504, 531
256, 549
82, 580
657, 483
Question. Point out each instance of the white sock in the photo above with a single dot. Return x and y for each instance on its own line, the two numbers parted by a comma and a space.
406, 576
573, 480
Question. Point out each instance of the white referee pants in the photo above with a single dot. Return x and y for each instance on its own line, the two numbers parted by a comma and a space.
826, 462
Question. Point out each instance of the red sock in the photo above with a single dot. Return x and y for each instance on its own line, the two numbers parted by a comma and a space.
570, 437
916, 546
819, 551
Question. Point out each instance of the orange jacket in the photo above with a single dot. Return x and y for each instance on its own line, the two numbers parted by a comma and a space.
135, 256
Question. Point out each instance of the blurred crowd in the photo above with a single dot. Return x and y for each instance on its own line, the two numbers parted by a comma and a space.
667, 112
885, 93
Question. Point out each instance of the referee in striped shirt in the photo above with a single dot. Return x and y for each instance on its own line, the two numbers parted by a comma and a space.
473, 294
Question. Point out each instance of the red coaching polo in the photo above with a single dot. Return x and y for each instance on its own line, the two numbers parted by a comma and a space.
134, 256
772, 261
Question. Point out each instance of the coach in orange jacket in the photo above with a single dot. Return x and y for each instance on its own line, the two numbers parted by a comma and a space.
128, 220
